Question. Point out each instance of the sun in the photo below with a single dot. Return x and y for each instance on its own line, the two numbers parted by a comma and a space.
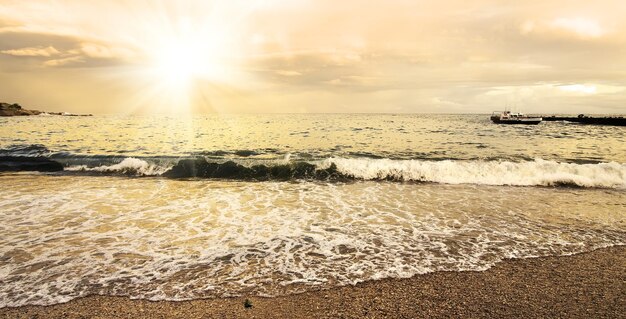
182, 66
188, 61
179, 62
187, 50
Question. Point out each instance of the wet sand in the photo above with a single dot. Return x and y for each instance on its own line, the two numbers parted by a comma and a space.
589, 285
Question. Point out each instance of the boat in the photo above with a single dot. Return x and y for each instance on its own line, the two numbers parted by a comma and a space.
507, 117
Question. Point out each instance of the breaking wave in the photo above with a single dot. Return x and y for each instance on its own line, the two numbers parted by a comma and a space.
528, 173
128, 166
525, 173
26, 150
511, 172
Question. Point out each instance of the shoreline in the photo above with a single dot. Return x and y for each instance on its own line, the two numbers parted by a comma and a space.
590, 284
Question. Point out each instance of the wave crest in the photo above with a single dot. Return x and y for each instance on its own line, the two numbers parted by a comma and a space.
25, 150
536, 172
128, 166
529, 173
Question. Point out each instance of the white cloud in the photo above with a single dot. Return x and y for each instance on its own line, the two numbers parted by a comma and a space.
64, 61
103, 52
579, 88
581, 26
353, 80
591, 89
554, 89
288, 73
34, 51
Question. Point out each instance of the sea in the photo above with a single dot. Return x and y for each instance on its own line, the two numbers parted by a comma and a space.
180, 208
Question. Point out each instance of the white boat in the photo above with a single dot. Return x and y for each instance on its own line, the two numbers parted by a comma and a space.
507, 117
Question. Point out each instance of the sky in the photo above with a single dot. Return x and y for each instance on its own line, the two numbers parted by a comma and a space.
357, 56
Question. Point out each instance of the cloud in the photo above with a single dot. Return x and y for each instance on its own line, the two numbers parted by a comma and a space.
311, 68
8, 23
353, 80
590, 89
288, 72
100, 51
581, 26
579, 88
53, 50
32, 52
74, 60
410, 55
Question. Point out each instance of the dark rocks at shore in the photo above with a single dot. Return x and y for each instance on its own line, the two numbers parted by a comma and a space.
23, 163
230, 170
15, 109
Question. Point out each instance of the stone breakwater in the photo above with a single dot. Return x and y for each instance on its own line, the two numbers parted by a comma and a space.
583, 119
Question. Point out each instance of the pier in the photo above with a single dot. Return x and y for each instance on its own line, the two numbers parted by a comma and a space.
583, 119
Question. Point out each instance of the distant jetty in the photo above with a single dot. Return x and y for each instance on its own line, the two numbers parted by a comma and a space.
15, 109
583, 119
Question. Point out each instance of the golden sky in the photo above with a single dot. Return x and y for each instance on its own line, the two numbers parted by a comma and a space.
447, 56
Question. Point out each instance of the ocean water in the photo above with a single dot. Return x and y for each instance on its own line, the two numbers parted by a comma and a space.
165, 208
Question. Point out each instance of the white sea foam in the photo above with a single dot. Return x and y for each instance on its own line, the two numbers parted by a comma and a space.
527, 173
128, 166
163, 239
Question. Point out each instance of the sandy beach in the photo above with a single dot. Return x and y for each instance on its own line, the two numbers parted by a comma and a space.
589, 285
312, 159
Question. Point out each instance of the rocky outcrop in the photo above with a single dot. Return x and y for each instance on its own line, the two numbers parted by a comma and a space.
24, 163
15, 109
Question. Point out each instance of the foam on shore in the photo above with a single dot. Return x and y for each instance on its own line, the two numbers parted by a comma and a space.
163, 239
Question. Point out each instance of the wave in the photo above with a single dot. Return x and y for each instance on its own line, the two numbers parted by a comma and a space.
28, 163
128, 166
526, 173
25, 150
523, 172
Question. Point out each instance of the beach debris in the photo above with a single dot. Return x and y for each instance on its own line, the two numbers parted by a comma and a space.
247, 303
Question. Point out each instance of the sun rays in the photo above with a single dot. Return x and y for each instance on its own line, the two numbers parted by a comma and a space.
188, 54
